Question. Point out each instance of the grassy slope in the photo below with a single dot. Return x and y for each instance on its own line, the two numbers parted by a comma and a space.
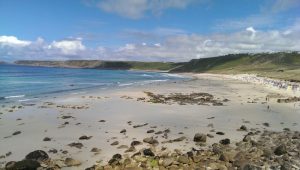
97, 64
276, 65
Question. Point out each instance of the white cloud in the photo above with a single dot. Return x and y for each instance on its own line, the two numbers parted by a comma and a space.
135, 9
283, 5
68, 47
13, 41
178, 47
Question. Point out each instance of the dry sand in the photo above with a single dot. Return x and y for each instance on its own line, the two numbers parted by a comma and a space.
246, 106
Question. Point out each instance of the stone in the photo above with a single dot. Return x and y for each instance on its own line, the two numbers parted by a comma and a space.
23, 165
220, 133
131, 149
243, 128
134, 143
52, 151
46, 139
200, 137
95, 150
123, 131
37, 155
148, 152
167, 162
76, 145
122, 147
150, 140
280, 150
17, 133
225, 141
72, 162
150, 131
183, 159
84, 137
114, 143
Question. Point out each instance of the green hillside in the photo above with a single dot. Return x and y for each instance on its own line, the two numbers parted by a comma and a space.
276, 65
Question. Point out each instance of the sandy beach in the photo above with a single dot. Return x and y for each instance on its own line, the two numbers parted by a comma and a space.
95, 119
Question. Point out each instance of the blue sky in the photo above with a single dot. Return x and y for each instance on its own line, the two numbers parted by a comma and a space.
163, 30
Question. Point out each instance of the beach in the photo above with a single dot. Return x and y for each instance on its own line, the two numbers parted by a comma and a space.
92, 127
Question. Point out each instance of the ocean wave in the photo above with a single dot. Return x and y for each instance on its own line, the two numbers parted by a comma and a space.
172, 75
146, 75
125, 84
17, 96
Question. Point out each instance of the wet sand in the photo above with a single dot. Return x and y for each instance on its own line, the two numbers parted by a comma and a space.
247, 106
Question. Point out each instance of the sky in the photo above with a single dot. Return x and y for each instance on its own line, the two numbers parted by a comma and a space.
145, 30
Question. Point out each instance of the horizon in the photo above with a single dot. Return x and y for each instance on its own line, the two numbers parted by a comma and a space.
145, 30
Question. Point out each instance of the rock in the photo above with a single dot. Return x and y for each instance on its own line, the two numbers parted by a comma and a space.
225, 141
72, 162
148, 152
114, 143
150, 140
243, 128
266, 124
47, 139
200, 137
220, 133
183, 159
131, 149
37, 155
76, 145
52, 151
280, 150
115, 159
84, 137
179, 139
158, 133
134, 143
23, 165
66, 117
123, 147
247, 138
167, 161
17, 133
150, 131
123, 131
102, 121
210, 135
95, 150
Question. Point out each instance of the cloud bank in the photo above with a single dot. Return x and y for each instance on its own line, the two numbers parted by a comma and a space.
174, 47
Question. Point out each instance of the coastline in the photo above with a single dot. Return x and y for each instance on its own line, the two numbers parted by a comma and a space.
246, 106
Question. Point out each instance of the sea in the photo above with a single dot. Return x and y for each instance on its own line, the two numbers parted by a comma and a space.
29, 83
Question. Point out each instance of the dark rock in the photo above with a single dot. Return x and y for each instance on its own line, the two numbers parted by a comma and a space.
200, 137
280, 150
37, 155
114, 143
134, 143
17, 133
84, 137
47, 139
66, 117
76, 145
102, 121
220, 133
150, 140
266, 124
150, 131
225, 141
243, 128
148, 152
23, 165
123, 131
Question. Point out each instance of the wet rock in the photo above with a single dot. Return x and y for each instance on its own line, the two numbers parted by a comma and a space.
52, 151
266, 124
134, 143
76, 145
115, 159
150, 140
148, 152
46, 139
123, 131
183, 159
114, 143
17, 133
84, 137
72, 162
225, 141
23, 165
200, 137
280, 150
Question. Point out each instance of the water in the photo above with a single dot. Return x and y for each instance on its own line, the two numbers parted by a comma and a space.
23, 83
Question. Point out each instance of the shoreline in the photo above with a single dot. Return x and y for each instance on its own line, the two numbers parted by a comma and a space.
119, 106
